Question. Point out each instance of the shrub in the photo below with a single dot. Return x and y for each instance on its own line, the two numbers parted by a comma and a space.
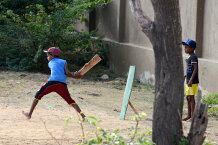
16, 48
41, 26
212, 101
104, 137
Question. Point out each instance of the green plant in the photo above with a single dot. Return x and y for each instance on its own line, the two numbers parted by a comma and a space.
184, 141
212, 101
44, 24
142, 138
14, 47
104, 137
213, 111
207, 142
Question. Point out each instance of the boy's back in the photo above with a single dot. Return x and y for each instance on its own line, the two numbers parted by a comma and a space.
57, 70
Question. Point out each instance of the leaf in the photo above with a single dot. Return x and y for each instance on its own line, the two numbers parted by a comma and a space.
116, 131
83, 19
99, 121
92, 123
144, 114
92, 117
67, 120
133, 117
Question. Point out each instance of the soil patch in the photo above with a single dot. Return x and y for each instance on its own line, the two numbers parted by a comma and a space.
102, 99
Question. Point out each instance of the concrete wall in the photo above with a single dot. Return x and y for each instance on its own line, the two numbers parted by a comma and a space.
127, 54
199, 22
210, 30
117, 23
209, 60
188, 11
132, 27
107, 21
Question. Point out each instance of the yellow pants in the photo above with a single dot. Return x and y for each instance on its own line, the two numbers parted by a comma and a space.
193, 90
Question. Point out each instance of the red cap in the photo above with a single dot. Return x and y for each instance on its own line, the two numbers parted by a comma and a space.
53, 51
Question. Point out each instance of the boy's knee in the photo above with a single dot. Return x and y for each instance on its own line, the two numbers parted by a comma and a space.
37, 99
188, 98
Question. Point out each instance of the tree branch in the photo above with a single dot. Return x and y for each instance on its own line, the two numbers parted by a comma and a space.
145, 22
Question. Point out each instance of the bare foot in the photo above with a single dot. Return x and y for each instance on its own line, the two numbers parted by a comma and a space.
26, 114
190, 120
187, 118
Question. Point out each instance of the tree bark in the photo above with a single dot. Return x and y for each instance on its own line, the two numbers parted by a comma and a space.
199, 123
165, 35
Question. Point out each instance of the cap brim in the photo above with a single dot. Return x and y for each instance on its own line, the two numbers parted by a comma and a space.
183, 43
46, 51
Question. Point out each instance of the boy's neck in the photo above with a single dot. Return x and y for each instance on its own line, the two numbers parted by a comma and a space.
191, 53
51, 59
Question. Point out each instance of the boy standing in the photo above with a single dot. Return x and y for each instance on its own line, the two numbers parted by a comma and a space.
192, 80
56, 82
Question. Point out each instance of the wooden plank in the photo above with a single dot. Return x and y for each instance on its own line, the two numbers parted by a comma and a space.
95, 60
127, 92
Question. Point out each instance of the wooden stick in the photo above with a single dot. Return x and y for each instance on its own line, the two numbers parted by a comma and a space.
95, 60
133, 108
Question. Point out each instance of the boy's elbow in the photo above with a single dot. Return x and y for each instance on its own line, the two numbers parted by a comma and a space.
68, 74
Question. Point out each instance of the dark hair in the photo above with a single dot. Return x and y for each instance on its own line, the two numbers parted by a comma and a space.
53, 55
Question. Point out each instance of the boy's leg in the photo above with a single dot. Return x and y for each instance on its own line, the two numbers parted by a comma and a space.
194, 93
64, 93
189, 108
192, 105
47, 88
28, 115
76, 107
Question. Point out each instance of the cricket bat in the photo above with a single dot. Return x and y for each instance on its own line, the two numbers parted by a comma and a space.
95, 60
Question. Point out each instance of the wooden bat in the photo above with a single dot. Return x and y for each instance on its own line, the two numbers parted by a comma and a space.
95, 60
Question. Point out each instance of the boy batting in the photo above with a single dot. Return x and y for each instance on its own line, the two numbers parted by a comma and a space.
56, 82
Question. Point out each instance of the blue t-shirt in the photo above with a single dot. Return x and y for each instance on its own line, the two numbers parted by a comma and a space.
56, 66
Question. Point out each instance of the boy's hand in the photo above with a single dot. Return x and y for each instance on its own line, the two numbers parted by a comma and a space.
77, 75
190, 83
86, 64
95, 60
184, 77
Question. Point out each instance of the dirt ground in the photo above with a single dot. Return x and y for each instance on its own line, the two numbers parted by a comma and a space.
102, 99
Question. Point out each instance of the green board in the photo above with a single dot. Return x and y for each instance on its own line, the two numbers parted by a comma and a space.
127, 92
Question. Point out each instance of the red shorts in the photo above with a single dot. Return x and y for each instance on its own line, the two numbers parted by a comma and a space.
55, 86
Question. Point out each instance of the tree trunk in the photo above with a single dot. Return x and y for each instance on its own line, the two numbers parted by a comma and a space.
168, 103
199, 123
165, 36
169, 85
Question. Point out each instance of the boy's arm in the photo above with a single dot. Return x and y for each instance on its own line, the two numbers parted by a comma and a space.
193, 74
75, 75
